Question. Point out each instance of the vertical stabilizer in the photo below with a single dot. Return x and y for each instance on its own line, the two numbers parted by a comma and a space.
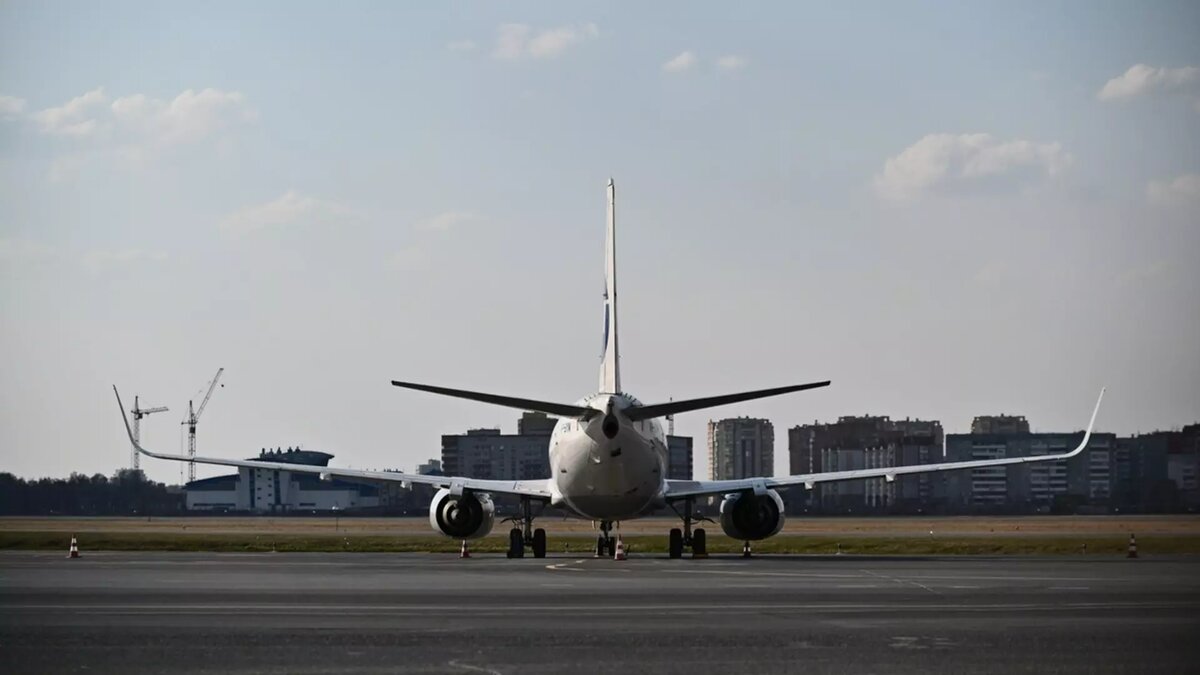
610, 366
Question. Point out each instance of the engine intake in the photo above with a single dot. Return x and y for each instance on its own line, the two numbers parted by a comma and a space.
750, 517
469, 516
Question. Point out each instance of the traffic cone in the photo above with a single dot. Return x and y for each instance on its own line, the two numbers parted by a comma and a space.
464, 552
1132, 547
746, 550
74, 552
620, 552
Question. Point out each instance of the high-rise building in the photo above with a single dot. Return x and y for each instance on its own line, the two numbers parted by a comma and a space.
1000, 424
679, 457
1084, 482
862, 443
525, 455
741, 447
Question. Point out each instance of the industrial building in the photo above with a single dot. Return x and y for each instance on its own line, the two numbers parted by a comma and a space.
740, 447
270, 491
863, 442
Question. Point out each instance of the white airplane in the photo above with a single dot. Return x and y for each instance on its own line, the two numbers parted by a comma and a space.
608, 457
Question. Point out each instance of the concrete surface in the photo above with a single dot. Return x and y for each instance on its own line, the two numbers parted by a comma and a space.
423, 613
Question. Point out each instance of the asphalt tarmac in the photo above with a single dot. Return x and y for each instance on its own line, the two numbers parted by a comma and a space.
424, 613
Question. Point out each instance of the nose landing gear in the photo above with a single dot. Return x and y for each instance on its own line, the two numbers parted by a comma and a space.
605, 544
520, 537
680, 539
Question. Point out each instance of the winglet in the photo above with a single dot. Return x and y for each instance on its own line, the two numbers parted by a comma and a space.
125, 418
1087, 435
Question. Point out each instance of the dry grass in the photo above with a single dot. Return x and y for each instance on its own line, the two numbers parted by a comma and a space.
964, 526
1040, 535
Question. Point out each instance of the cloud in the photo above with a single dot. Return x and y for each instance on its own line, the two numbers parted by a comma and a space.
1183, 191
290, 210
137, 123
75, 117
446, 221
11, 107
1142, 80
101, 260
189, 117
732, 62
681, 62
461, 45
518, 40
18, 251
948, 160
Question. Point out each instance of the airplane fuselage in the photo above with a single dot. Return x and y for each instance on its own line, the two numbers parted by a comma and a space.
608, 467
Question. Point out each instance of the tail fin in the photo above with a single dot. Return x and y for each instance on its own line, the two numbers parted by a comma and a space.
610, 365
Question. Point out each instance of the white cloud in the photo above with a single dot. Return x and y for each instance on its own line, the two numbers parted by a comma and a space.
1182, 191
681, 62
104, 259
11, 107
946, 160
518, 40
75, 117
732, 62
290, 210
137, 122
16, 251
1143, 80
461, 45
446, 221
189, 117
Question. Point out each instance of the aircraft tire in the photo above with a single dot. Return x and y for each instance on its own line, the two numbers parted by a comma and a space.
516, 543
675, 543
539, 543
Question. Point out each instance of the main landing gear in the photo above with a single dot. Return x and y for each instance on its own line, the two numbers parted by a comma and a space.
687, 538
520, 537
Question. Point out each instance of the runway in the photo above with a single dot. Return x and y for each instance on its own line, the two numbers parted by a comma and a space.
424, 613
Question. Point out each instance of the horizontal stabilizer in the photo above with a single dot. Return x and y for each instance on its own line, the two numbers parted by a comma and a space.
556, 409
673, 407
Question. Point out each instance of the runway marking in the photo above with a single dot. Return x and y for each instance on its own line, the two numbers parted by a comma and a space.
332, 611
563, 566
900, 581
1068, 588
473, 669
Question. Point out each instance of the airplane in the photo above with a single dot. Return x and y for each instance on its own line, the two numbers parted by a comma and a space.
608, 457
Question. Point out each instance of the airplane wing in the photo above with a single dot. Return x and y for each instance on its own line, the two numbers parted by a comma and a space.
679, 489
536, 489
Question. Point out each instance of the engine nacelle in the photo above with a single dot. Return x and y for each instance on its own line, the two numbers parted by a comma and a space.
749, 517
469, 516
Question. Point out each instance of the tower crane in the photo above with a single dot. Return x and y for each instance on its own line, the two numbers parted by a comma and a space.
193, 417
138, 413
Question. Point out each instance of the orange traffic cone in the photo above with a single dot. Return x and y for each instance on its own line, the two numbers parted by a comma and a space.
464, 552
1132, 547
746, 550
74, 552
620, 552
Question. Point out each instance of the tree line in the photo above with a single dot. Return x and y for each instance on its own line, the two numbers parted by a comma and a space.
126, 493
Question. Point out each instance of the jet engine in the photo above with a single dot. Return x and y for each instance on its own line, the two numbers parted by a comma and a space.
748, 517
469, 516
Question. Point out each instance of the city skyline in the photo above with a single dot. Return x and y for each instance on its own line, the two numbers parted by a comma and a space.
945, 210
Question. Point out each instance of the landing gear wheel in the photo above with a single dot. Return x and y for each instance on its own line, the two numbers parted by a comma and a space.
675, 543
516, 543
699, 544
539, 543
601, 546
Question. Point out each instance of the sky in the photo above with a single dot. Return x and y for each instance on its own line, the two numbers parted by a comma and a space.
948, 209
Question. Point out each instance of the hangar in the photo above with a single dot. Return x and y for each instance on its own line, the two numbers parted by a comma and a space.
270, 491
